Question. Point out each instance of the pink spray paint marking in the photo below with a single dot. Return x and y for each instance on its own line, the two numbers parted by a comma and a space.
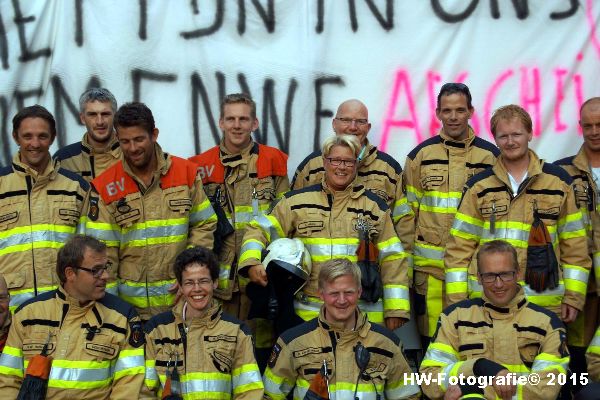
433, 78
531, 98
589, 13
491, 96
578, 82
559, 126
401, 82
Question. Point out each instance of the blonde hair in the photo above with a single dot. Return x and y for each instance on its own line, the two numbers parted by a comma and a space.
509, 112
349, 141
337, 267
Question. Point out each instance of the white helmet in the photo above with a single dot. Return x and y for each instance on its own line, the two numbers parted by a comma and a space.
291, 256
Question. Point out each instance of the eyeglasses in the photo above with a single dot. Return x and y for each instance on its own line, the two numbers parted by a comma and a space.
336, 162
200, 282
97, 271
349, 121
490, 277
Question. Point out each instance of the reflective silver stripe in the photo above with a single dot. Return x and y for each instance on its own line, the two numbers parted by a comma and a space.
576, 274
129, 362
18, 299
208, 385
558, 291
440, 356
402, 392
571, 226
341, 394
456, 276
331, 249
395, 293
131, 291
106, 235
440, 202
411, 196
112, 290
160, 290
35, 236
251, 246
155, 231
474, 286
10, 361
273, 388
401, 210
595, 341
394, 248
506, 233
204, 214
246, 378
267, 226
539, 365
428, 253
79, 374
467, 227
151, 374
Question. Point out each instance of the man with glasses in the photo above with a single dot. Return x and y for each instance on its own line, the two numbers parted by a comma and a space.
378, 172
94, 339
515, 200
499, 334
435, 173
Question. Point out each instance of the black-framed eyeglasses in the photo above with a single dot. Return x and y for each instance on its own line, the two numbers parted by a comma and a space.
97, 271
336, 162
490, 277
349, 121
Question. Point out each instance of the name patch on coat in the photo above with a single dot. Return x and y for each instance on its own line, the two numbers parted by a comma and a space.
217, 338
101, 348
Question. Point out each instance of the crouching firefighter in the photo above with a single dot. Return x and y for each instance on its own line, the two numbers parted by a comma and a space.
76, 342
339, 354
196, 351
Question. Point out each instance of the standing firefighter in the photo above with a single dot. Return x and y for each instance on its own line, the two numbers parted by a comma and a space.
244, 179
435, 173
76, 342
531, 204
147, 208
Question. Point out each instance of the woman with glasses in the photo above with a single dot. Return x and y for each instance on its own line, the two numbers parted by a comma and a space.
196, 351
337, 218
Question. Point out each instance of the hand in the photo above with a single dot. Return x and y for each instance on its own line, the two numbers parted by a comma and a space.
505, 392
453, 393
258, 274
568, 313
175, 288
394, 322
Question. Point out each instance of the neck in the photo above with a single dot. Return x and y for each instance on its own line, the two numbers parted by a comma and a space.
593, 157
190, 312
146, 173
82, 301
42, 167
233, 149
517, 168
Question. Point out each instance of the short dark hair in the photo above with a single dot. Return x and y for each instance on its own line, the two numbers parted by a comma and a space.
452, 88
97, 94
72, 253
497, 246
236, 98
35, 111
196, 255
135, 114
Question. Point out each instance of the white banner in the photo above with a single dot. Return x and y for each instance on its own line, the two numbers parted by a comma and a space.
299, 59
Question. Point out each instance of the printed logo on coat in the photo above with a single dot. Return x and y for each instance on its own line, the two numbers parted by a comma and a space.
136, 337
94, 209
221, 361
274, 355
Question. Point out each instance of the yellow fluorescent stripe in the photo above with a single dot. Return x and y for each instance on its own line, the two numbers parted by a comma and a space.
37, 228
157, 223
153, 241
28, 246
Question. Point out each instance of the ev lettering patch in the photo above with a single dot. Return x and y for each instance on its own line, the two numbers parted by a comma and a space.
226, 338
274, 355
100, 348
9, 217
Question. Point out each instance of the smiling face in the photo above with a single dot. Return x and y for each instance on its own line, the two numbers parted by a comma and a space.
499, 292
237, 124
34, 139
590, 126
454, 113
340, 297
197, 288
512, 139
137, 146
338, 177
82, 284
352, 118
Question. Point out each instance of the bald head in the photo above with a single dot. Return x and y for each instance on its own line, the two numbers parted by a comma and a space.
352, 118
589, 120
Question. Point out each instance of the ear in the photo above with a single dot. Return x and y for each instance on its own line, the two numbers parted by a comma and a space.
154, 135
438, 113
70, 273
359, 291
15, 136
471, 111
321, 294
81, 118
215, 284
221, 124
255, 124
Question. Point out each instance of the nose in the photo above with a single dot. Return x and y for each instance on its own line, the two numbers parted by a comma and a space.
498, 282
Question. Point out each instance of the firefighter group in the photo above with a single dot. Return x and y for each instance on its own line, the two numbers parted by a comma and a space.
127, 272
